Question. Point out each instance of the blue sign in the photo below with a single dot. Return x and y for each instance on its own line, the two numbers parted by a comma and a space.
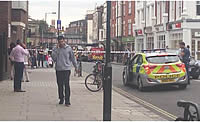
59, 24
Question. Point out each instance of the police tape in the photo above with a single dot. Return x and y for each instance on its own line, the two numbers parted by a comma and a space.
102, 52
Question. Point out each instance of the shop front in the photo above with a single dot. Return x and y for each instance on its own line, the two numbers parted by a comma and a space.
139, 40
150, 38
160, 37
195, 44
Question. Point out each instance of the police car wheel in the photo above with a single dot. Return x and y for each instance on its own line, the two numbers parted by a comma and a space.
140, 85
125, 77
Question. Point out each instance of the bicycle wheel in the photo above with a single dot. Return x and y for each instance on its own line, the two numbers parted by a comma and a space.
93, 82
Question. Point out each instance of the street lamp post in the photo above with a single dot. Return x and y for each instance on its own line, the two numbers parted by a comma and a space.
46, 22
107, 80
58, 16
48, 13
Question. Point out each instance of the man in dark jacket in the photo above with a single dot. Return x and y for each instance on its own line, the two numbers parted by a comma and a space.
185, 58
63, 56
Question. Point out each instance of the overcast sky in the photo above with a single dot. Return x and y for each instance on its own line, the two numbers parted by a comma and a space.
71, 10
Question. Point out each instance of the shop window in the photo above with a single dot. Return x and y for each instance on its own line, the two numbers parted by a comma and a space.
198, 7
193, 48
198, 49
133, 46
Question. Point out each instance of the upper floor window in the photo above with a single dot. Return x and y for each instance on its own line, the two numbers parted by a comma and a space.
129, 7
198, 7
19, 5
129, 27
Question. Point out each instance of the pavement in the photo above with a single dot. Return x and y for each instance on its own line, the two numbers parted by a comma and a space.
40, 101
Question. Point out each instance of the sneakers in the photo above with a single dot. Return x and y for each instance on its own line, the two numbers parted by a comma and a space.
19, 91
61, 101
67, 104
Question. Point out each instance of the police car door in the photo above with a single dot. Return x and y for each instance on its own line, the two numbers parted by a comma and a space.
133, 68
138, 67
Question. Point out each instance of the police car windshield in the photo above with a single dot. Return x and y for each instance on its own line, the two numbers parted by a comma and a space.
163, 59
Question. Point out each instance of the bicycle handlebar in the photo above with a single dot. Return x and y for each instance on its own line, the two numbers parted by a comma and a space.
187, 112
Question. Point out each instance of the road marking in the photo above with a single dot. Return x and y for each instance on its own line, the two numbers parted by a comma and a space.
171, 116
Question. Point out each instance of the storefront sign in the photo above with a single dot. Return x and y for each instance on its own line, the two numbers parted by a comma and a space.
138, 32
178, 25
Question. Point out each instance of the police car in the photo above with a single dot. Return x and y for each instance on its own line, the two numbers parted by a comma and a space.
155, 67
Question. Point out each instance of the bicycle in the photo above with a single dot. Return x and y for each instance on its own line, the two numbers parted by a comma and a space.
94, 81
191, 111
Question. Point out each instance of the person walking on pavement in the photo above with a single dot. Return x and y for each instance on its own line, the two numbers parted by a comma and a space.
185, 58
63, 56
17, 55
12, 72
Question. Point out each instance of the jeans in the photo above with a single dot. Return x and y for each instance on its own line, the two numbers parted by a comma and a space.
63, 81
187, 70
19, 68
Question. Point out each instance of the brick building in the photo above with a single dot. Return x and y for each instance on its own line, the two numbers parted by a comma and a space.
76, 33
122, 20
13, 26
5, 25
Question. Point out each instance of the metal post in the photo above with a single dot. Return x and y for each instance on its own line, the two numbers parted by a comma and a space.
46, 17
58, 16
107, 82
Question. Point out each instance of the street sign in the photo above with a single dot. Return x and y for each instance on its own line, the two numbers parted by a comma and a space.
59, 24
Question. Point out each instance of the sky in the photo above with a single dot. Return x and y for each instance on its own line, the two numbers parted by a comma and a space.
71, 10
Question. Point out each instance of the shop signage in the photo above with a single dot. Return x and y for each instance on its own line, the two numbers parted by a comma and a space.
178, 25
138, 32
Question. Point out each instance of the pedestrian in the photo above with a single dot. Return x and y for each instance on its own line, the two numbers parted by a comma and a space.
41, 57
12, 71
26, 64
17, 55
33, 60
63, 56
185, 58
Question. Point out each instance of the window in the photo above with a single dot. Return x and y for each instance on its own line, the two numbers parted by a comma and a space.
150, 43
158, 12
163, 59
124, 28
124, 9
19, 5
198, 7
172, 8
138, 21
129, 7
179, 9
152, 11
193, 48
129, 27
139, 60
142, 14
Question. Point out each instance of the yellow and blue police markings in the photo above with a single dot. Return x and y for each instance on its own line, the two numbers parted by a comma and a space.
162, 72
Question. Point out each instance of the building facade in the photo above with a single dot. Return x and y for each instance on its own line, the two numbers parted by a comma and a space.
161, 24
89, 19
76, 33
122, 20
13, 26
97, 23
